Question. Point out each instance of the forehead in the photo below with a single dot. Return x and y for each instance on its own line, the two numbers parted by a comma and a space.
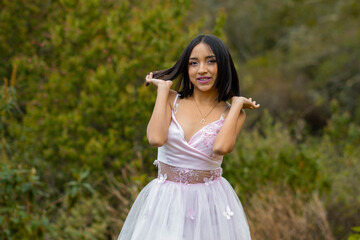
201, 50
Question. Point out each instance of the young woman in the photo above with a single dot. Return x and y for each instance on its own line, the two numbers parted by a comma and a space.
193, 127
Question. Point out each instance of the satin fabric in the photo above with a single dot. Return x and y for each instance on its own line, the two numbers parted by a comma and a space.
195, 154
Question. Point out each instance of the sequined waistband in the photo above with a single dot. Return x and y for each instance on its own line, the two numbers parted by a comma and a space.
185, 175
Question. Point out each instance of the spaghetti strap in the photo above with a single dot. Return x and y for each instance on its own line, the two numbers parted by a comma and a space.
228, 105
177, 95
175, 104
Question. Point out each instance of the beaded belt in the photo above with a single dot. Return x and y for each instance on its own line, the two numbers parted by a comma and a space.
186, 175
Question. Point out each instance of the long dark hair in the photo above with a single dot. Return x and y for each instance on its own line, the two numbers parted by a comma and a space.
227, 82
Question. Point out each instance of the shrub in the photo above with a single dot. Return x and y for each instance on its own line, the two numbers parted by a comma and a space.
282, 214
21, 217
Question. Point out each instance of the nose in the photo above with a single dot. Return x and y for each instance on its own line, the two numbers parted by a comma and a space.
202, 68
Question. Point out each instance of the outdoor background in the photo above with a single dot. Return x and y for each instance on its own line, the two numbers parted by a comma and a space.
74, 111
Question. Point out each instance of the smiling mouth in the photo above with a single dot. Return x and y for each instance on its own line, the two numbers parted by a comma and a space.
203, 79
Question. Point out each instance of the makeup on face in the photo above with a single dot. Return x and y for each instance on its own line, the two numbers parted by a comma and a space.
202, 68
203, 80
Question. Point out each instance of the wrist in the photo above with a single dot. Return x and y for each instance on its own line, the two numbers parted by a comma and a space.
163, 88
238, 103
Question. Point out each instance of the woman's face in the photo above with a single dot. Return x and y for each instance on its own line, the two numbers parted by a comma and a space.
203, 68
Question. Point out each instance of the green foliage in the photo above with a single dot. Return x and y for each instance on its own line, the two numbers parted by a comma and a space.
88, 219
268, 155
92, 108
329, 164
297, 55
21, 217
75, 189
7, 105
339, 154
81, 96
356, 235
219, 25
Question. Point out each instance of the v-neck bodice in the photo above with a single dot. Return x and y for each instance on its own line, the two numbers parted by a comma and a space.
209, 128
193, 154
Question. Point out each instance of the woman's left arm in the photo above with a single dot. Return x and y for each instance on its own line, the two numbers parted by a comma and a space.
226, 138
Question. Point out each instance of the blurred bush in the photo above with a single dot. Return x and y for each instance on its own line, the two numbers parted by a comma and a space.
295, 56
88, 219
267, 154
82, 106
279, 213
21, 217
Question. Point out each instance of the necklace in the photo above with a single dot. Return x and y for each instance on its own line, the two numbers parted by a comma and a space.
202, 121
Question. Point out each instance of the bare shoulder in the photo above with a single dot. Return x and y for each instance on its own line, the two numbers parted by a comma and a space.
171, 98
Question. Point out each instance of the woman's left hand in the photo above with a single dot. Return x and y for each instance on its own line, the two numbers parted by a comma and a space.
246, 102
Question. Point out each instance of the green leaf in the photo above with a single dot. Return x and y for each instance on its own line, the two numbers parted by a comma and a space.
89, 187
84, 174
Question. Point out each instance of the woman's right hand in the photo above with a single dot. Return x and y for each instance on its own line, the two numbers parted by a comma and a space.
158, 83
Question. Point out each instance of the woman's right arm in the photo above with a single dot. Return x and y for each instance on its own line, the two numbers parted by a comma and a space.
158, 126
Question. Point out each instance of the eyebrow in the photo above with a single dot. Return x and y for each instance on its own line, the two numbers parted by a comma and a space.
194, 58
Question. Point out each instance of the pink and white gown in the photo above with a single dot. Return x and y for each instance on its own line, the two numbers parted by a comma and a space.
189, 200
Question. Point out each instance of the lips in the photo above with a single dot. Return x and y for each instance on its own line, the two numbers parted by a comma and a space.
203, 79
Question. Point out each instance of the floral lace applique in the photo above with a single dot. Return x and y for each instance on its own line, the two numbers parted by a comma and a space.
184, 175
214, 175
209, 181
228, 213
162, 178
209, 134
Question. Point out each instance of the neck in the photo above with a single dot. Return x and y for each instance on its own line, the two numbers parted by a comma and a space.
205, 98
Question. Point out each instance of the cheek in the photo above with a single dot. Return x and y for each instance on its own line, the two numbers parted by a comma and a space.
214, 70
191, 71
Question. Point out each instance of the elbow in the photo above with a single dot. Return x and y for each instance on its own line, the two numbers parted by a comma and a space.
156, 142
222, 150
155, 138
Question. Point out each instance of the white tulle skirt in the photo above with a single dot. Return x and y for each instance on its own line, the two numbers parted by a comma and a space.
166, 210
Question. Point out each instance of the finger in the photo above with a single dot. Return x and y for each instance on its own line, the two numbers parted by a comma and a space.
250, 99
148, 80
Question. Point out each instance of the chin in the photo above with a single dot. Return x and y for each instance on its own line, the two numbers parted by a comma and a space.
206, 89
